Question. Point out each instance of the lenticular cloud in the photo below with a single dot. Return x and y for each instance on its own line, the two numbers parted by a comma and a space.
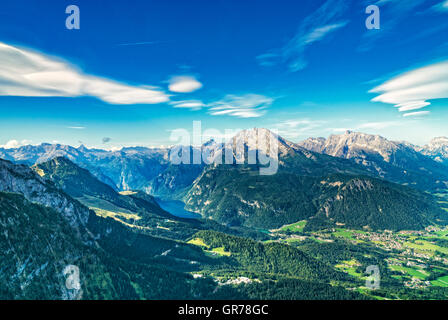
412, 90
31, 74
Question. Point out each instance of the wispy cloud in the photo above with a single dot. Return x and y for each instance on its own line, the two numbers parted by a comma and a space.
411, 90
184, 84
319, 33
188, 104
27, 73
416, 114
321, 23
245, 106
76, 127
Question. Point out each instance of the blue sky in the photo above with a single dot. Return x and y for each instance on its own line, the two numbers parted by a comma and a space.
136, 70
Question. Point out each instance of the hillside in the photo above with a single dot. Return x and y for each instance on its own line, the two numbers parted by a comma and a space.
239, 196
81, 184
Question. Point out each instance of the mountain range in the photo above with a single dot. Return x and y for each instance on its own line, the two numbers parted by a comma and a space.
62, 206
150, 169
45, 231
321, 175
399, 162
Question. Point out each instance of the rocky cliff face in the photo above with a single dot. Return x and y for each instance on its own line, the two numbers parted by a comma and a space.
21, 179
39, 250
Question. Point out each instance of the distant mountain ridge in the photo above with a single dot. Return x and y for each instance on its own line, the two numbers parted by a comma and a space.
134, 168
150, 170
399, 162
437, 149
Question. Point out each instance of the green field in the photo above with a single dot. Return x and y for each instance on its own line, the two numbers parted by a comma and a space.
417, 273
198, 242
425, 246
350, 266
214, 251
440, 282
295, 227
220, 251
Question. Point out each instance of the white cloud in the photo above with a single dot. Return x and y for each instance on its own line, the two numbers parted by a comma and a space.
77, 128
31, 74
245, 106
13, 144
188, 104
184, 84
412, 90
416, 114
318, 25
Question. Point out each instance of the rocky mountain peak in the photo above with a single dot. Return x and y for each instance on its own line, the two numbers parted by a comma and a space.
437, 149
439, 142
261, 139
351, 143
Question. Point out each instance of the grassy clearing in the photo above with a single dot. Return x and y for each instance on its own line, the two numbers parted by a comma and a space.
442, 233
417, 273
425, 246
441, 282
213, 251
220, 251
295, 227
342, 233
350, 266
347, 234
198, 242
113, 214
120, 217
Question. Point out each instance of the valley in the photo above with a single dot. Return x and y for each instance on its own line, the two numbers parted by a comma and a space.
308, 232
